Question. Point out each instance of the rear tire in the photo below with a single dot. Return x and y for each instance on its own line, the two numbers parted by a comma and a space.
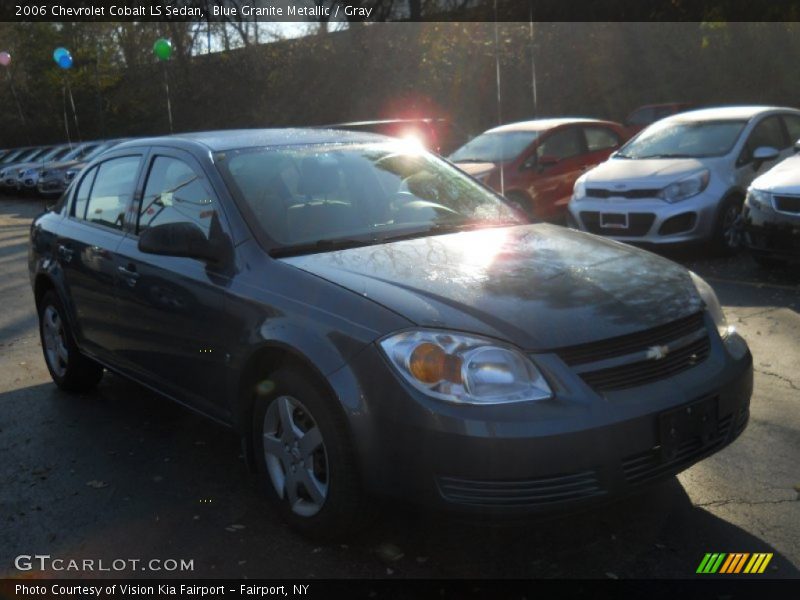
304, 457
70, 370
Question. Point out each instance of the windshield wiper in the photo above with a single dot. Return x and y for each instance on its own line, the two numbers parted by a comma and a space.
442, 228
321, 246
471, 160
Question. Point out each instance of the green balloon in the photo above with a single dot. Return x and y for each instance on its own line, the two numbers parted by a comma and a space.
162, 49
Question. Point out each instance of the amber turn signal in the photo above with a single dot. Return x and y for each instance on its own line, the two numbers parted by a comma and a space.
430, 364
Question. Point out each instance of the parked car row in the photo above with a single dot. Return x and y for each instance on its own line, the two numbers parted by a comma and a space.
46, 171
683, 179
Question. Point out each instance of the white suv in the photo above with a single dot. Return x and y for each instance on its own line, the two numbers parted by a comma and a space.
684, 178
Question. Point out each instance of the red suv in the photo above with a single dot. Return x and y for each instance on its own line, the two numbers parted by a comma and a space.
535, 163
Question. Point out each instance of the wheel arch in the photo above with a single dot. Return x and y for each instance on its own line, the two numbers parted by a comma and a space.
258, 366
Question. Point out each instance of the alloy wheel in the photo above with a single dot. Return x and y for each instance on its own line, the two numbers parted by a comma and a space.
732, 226
295, 456
55, 343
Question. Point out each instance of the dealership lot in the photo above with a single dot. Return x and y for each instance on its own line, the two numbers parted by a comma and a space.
121, 473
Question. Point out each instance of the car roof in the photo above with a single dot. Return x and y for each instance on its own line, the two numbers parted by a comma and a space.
543, 124
387, 122
220, 141
728, 112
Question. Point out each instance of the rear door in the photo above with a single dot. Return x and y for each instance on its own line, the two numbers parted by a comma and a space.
171, 308
85, 248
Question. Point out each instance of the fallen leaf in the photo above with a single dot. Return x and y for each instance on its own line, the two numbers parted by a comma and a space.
94, 483
390, 552
611, 575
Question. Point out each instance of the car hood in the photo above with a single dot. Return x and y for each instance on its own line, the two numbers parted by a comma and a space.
476, 168
645, 173
538, 286
781, 178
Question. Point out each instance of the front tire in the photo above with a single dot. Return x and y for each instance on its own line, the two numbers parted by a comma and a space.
70, 370
727, 239
305, 458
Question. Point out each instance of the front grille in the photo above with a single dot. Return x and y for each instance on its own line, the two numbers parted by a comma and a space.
640, 373
787, 204
686, 341
638, 224
648, 465
633, 342
521, 492
632, 194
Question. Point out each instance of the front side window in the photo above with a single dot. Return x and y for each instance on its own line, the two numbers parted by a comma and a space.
174, 193
769, 132
684, 139
358, 193
561, 144
112, 191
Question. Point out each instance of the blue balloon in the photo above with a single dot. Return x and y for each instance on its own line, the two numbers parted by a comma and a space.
65, 61
59, 52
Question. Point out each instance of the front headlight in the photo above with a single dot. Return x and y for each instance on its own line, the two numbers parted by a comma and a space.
733, 342
465, 369
686, 187
758, 199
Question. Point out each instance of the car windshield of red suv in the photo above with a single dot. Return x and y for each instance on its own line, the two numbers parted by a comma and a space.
495, 147
683, 139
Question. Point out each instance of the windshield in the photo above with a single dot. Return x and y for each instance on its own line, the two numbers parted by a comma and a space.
684, 139
495, 147
331, 195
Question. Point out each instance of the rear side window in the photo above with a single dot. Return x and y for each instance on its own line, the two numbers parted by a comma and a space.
562, 144
174, 193
793, 127
112, 191
82, 194
600, 138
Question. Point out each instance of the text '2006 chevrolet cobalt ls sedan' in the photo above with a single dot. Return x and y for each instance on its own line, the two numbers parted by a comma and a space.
376, 323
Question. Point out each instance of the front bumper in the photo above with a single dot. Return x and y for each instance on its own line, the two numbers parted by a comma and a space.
575, 450
772, 234
648, 220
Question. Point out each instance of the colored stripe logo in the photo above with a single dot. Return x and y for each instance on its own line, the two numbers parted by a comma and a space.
734, 563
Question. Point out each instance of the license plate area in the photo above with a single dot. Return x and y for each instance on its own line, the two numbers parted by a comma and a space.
614, 220
692, 424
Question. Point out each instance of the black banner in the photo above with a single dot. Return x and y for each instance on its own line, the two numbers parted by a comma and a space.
711, 587
398, 10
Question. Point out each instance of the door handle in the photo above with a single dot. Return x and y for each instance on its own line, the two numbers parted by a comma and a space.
130, 274
65, 253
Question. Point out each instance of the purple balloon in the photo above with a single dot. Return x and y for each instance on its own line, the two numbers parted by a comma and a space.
5, 59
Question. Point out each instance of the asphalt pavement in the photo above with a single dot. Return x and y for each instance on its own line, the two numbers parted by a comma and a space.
123, 474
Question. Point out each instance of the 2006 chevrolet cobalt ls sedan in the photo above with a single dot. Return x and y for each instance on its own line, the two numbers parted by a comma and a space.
376, 323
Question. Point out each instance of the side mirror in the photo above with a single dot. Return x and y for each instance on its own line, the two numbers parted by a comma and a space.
180, 239
764, 154
796, 147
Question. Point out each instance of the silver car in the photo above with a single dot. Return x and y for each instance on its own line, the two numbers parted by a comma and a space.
684, 178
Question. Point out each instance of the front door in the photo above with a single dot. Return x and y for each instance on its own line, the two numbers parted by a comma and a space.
171, 308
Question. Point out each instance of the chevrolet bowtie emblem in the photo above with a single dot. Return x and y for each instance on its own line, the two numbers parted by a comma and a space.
657, 352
